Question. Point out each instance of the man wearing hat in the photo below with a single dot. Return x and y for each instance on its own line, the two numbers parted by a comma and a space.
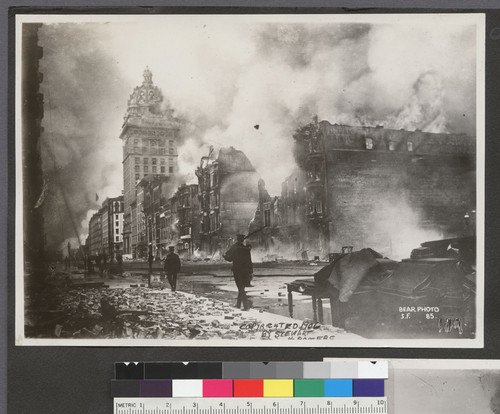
242, 268
172, 266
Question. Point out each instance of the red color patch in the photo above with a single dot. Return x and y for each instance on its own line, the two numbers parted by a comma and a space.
248, 388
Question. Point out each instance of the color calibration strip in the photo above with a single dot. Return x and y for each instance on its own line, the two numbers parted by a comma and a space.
253, 370
203, 388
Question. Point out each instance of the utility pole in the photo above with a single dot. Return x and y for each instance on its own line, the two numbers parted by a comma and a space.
69, 255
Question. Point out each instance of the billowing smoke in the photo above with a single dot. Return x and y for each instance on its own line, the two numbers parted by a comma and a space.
238, 84
83, 95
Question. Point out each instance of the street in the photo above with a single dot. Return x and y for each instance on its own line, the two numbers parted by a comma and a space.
113, 306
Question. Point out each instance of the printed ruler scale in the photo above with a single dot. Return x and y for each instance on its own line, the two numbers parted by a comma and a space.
309, 405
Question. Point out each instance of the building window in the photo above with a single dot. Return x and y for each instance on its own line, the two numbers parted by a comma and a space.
171, 170
154, 168
117, 224
117, 238
137, 176
116, 231
137, 160
146, 169
392, 145
171, 161
146, 160
136, 168
267, 217
162, 161
136, 149
369, 143
171, 142
170, 150
116, 216
153, 160
161, 151
410, 145
162, 169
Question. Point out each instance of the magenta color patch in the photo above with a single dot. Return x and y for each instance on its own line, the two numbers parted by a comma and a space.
217, 388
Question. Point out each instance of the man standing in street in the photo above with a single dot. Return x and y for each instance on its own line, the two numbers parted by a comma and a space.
172, 266
150, 260
242, 268
119, 260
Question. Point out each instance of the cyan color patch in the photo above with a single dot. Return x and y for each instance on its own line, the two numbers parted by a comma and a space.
338, 388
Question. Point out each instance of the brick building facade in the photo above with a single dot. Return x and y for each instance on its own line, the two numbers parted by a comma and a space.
375, 187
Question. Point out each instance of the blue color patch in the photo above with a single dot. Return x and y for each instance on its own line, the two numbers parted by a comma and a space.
338, 388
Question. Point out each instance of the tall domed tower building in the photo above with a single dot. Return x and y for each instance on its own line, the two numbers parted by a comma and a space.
149, 134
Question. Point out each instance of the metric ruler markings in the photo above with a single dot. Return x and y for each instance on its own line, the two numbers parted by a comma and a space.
309, 405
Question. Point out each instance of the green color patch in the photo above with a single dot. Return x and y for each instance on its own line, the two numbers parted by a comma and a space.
309, 388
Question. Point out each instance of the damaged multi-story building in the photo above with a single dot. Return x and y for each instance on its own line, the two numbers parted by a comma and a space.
153, 192
373, 187
228, 196
181, 221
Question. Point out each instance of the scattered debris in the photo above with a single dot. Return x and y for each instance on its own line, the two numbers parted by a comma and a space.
143, 313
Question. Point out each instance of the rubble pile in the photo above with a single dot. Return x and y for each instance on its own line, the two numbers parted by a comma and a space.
143, 313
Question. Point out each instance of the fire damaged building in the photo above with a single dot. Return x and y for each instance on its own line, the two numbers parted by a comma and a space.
152, 193
186, 204
180, 222
370, 186
282, 219
228, 195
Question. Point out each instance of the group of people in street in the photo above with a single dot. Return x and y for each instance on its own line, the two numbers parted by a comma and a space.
242, 268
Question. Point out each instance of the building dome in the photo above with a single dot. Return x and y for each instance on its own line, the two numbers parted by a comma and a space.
145, 98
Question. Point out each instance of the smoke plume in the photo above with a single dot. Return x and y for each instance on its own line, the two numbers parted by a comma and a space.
243, 85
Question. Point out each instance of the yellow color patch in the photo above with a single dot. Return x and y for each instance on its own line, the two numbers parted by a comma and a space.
278, 388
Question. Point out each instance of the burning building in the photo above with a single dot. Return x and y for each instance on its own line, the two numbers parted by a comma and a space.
149, 134
283, 219
228, 198
152, 194
370, 186
186, 205
377, 187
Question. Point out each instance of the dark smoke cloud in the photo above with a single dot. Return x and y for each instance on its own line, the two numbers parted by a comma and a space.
82, 89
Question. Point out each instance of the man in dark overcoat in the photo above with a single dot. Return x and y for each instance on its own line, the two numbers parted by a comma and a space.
172, 266
242, 268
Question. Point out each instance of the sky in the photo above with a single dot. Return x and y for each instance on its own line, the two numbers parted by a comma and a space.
224, 75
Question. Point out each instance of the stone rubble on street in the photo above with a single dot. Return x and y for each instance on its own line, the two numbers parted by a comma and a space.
145, 313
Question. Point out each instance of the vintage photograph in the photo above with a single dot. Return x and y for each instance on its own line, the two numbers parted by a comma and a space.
250, 180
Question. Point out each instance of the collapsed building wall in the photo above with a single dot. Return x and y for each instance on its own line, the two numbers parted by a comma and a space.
228, 199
